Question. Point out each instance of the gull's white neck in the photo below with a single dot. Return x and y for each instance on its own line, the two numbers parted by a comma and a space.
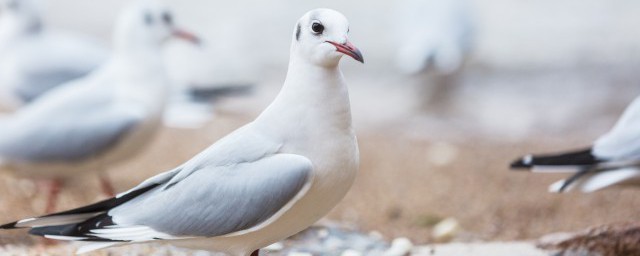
314, 100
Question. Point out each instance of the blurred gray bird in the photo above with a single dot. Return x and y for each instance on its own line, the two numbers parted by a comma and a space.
433, 35
97, 121
35, 59
262, 183
614, 158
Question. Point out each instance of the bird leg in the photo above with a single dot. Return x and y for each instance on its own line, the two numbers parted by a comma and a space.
106, 186
53, 191
255, 253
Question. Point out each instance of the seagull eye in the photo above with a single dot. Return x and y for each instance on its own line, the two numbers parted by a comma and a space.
317, 27
167, 18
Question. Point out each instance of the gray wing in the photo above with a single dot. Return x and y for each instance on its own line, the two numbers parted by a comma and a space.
37, 83
217, 200
66, 136
623, 141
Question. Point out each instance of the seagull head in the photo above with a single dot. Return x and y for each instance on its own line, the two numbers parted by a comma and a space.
20, 16
148, 23
321, 36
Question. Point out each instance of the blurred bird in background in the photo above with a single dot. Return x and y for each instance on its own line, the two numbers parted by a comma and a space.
437, 37
614, 158
102, 119
34, 58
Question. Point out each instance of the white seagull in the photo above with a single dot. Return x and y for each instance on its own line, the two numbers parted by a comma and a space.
262, 183
614, 158
105, 118
35, 59
436, 35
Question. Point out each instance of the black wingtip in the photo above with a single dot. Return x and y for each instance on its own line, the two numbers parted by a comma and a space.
11, 225
579, 158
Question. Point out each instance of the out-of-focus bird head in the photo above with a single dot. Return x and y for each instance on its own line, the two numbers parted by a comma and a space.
148, 24
20, 16
321, 36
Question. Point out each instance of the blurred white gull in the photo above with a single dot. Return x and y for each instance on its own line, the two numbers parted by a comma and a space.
107, 117
614, 158
262, 183
433, 35
34, 59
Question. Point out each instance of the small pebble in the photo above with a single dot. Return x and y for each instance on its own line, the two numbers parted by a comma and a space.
445, 230
399, 247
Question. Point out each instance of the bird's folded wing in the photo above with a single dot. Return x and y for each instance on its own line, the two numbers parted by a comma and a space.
37, 82
216, 201
221, 200
66, 136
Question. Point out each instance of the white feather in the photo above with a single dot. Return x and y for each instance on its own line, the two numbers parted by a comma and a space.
132, 233
65, 238
606, 179
54, 220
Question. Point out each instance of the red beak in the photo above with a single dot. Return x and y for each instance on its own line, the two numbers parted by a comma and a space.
348, 49
186, 35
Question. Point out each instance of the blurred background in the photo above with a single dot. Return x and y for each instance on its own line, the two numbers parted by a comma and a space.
539, 76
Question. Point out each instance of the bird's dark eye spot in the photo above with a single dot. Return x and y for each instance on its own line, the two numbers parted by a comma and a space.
167, 18
148, 18
317, 27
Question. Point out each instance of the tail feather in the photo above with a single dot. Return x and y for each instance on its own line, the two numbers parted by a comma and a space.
49, 221
77, 215
606, 179
591, 181
579, 158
